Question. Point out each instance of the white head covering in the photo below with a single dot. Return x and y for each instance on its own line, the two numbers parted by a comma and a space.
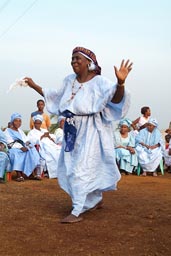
38, 117
60, 118
153, 121
15, 116
125, 121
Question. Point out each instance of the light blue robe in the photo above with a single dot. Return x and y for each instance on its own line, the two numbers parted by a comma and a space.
149, 159
4, 159
21, 161
91, 167
126, 160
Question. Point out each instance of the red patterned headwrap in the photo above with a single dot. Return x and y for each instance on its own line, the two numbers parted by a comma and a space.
90, 55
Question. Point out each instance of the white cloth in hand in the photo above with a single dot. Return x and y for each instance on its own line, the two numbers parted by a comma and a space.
18, 82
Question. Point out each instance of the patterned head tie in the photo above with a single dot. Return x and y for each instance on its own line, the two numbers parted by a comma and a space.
90, 56
15, 116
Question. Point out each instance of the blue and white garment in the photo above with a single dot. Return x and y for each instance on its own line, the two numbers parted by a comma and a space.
90, 167
21, 161
49, 151
70, 131
149, 159
126, 160
4, 159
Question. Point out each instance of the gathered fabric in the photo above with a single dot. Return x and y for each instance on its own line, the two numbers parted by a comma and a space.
70, 131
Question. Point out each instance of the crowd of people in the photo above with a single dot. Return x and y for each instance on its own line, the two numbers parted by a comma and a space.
32, 155
82, 153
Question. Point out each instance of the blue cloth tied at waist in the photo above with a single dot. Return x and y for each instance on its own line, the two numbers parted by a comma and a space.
69, 131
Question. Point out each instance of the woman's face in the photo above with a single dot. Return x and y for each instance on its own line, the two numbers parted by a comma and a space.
61, 124
16, 123
124, 129
40, 105
37, 124
79, 63
150, 127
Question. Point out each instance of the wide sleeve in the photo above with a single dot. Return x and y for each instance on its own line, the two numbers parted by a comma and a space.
31, 137
141, 136
52, 98
114, 111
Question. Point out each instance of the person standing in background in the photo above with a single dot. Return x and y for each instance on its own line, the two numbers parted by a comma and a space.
46, 119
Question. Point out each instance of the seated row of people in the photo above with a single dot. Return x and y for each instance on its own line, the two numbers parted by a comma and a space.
145, 148
33, 153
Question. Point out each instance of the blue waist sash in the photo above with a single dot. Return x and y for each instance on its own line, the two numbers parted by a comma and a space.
69, 131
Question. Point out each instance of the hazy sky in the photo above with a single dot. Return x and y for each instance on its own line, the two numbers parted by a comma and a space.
37, 38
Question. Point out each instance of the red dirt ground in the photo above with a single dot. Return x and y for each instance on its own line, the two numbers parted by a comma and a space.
135, 221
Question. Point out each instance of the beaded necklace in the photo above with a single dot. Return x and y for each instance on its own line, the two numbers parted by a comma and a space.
73, 88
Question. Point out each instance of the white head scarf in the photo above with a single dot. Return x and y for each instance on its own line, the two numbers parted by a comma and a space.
38, 117
125, 121
60, 118
153, 121
15, 116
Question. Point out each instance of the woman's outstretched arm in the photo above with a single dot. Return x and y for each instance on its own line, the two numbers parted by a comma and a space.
33, 85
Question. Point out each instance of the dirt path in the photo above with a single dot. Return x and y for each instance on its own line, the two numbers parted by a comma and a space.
135, 221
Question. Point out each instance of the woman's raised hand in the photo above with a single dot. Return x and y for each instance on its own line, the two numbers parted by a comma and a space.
29, 81
123, 71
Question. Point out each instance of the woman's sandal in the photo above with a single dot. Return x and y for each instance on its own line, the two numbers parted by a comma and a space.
71, 219
37, 177
19, 179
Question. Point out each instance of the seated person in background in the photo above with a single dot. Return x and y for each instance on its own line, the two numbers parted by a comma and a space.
141, 122
9, 126
167, 137
167, 151
149, 147
23, 156
124, 142
46, 119
48, 149
4, 159
59, 133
